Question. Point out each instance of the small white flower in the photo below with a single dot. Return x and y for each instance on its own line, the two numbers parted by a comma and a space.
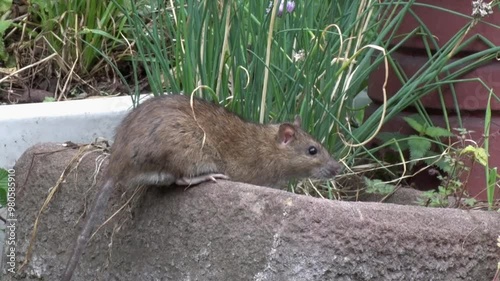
298, 56
481, 9
280, 9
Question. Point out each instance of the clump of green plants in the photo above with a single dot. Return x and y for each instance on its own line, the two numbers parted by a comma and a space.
378, 186
450, 185
313, 59
4, 185
64, 47
449, 166
5, 23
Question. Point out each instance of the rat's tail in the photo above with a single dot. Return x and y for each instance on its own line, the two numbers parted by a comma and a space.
94, 218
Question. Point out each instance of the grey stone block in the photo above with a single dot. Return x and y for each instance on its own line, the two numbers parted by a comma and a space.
235, 231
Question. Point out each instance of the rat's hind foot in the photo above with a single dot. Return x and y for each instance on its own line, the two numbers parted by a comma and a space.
200, 179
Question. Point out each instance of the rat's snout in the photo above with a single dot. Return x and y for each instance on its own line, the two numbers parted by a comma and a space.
334, 167
327, 170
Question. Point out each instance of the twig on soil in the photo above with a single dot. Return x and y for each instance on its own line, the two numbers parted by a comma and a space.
27, 67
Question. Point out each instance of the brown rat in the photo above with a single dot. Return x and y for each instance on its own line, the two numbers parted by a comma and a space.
174, 139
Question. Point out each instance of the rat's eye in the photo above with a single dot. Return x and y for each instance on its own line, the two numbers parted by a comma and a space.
312, 150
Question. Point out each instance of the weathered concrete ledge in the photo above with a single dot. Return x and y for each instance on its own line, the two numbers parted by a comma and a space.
234, 231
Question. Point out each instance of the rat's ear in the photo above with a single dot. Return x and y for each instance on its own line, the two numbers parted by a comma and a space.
298, 121
286, 133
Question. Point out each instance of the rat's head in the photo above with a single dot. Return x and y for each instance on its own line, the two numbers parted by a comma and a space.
301, 155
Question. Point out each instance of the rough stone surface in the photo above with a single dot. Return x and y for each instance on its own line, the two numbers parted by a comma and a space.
234, 231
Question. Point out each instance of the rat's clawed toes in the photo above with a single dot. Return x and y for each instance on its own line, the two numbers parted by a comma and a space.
214, 177
200, 179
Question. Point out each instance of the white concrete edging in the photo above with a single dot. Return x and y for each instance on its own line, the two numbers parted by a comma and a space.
79, 121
